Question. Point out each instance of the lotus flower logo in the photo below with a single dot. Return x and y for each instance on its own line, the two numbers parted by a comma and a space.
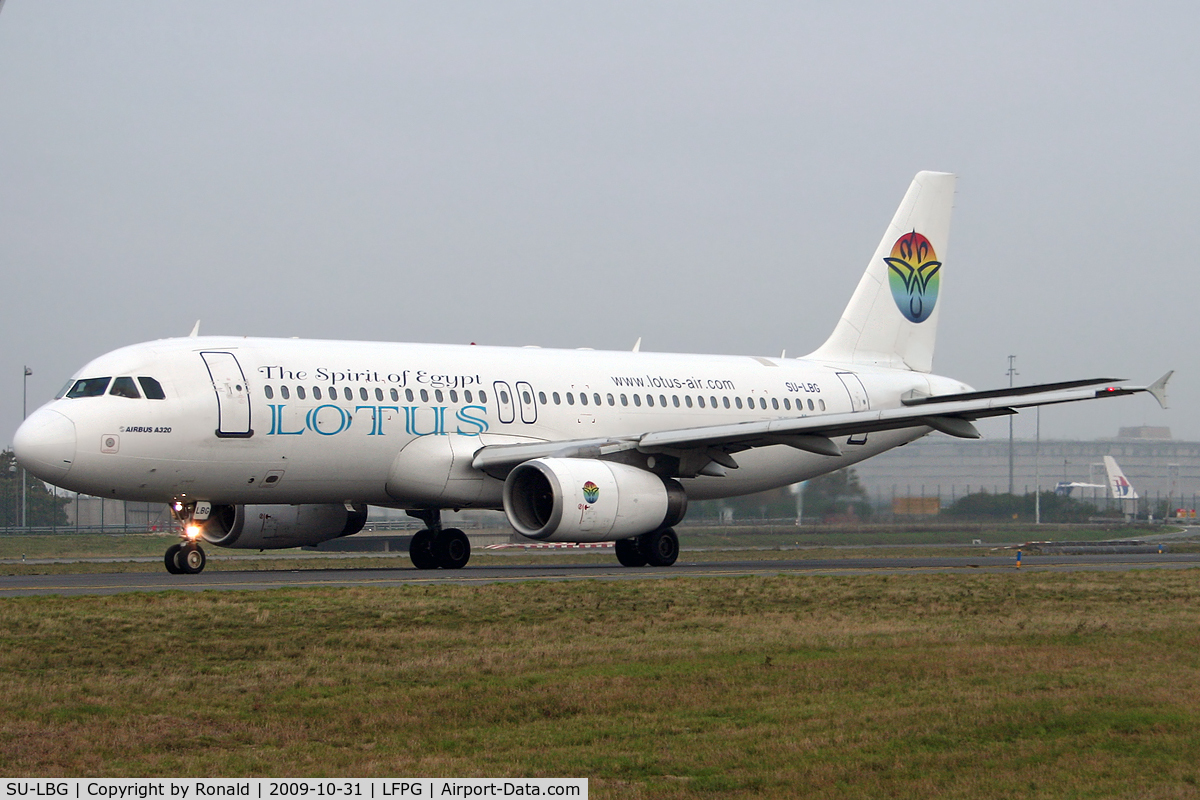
591, 492
913, 274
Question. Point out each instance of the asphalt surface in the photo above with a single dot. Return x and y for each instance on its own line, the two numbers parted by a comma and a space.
404, 575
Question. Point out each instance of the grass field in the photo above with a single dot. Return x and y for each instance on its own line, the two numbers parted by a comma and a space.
1015, 685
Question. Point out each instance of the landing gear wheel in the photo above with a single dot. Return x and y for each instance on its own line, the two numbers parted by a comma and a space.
629, 554
660, 547
169, 559
452, 548
420, 550
190, 559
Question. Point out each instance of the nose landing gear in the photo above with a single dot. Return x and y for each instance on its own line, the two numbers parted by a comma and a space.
187, 557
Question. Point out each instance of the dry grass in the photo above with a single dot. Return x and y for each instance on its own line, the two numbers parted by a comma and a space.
1030, 685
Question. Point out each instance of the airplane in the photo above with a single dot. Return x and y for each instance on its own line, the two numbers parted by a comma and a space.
274, 443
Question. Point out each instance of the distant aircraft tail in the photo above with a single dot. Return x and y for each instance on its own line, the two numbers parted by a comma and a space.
1118, 485
891, 319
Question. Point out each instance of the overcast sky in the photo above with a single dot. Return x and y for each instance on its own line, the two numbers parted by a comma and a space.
711, 177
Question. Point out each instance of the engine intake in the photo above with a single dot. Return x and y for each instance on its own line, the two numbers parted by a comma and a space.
588, 500
272, 527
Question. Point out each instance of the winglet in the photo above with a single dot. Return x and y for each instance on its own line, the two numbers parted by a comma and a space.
637, 346
195, 330
1158, 389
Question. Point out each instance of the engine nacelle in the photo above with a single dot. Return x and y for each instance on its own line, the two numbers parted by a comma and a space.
275, 526
587, 500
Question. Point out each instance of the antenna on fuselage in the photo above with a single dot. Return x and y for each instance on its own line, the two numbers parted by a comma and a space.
637, 346
195, 330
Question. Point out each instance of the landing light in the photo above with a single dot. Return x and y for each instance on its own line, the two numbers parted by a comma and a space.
193, 531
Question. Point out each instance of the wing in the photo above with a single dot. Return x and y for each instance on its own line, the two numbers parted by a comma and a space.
702, 449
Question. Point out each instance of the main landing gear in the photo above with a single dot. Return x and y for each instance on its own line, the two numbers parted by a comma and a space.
435, 546
658, 548
187, 557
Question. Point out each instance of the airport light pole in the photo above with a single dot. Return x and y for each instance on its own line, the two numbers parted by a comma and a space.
1012, 371
24, 416
1037, 471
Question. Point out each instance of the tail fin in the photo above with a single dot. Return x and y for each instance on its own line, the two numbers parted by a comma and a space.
891, 320
1118, 485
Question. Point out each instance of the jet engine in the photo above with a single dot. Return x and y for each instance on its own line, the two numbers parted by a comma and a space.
272, 527
587, 500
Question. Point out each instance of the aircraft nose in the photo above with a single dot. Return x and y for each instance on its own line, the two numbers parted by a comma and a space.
45, 444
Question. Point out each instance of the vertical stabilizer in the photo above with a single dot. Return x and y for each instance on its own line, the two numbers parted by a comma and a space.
891, 320
1118, 486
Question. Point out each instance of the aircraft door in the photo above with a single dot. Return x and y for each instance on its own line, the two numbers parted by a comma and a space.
504, 402
859, 401
233, 395
527, 401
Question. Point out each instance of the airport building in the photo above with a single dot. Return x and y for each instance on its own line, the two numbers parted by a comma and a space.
941, 466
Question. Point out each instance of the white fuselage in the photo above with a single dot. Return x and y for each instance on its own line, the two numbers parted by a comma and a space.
294, 421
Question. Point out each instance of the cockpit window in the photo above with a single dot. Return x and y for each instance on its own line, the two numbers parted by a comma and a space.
125, 387
152, 389
63, 391
89, 387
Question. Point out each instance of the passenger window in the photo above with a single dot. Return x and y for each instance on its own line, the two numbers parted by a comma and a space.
810, 404
583, 398
662, 400
726, 399
596, 397
762, 403
822, 405
349, 395
408, 395
787, 404
437, 395
125, 387
394, 395
738, 401
526, 397
454, 396
362, 393
775, 403
650, 400
466, 394
675, 400
557, 399
713, 400
687, 400
425, 396
316, 392
89, 387
333, 393
542, 398
283, 392
624, 400
503, 396
570, 399
612, 401
700, 400
482, 396
269, 392
378, 395
152, 389
637, 400
300, 392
